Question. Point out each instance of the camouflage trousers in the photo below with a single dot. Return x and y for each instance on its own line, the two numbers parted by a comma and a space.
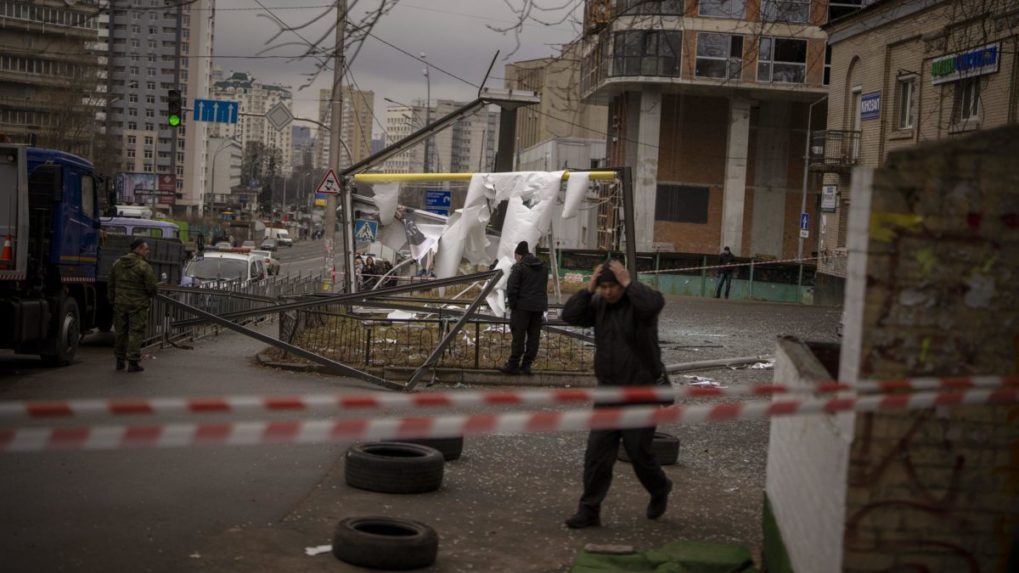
129, 324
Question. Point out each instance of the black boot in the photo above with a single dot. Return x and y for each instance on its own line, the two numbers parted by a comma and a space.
510, 369
659, 503
525, 368
135, 367
584, 517
120, 364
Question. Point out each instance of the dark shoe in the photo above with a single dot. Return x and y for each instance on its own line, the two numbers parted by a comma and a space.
120, 364
135, 367
659, 503
526, 370
583, 519
509, 370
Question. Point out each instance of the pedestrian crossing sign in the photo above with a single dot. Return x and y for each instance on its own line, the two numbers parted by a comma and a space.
365, 231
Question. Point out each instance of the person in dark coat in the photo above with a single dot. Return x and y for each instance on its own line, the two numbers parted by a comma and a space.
527, 293
725, 273
624, 315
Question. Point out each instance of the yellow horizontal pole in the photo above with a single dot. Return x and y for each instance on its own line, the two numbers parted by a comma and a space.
424, 177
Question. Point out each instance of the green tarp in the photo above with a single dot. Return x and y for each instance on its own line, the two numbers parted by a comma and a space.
676, 557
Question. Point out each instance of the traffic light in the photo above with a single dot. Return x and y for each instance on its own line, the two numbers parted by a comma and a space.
173, 105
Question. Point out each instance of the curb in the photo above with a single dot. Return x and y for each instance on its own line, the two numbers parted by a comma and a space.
451, 375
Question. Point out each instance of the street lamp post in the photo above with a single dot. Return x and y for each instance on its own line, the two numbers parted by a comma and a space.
428, 115
215, 155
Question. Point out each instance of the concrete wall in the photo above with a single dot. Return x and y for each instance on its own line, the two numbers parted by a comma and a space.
935, 295
808, 460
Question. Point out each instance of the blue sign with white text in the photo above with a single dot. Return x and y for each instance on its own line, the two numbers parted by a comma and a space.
216, 111
439, 202
870, 105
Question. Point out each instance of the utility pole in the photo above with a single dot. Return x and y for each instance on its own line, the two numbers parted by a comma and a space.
336, 117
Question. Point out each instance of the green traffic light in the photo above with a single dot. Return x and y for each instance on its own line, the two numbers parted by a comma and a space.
173, 120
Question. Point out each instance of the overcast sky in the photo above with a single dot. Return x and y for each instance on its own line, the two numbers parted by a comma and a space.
452, 33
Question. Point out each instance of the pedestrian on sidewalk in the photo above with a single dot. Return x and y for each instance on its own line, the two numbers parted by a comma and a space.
527, 294
131, 288
725, 272
624, 314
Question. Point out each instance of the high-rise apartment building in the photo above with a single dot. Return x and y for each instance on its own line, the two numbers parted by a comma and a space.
469, 145
355, 127
51, 72
253, 131
155, 47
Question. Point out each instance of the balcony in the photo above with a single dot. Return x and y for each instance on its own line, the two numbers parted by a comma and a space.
834, 151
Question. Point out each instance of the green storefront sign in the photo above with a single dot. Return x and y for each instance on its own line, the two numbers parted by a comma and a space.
965, 64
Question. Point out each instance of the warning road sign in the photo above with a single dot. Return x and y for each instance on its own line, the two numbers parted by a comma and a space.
330, 184
365, 230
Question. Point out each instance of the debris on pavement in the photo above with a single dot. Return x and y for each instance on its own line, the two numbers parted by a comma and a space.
319, 550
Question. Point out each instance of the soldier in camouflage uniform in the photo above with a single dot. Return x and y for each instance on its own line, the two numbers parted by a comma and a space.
132, 286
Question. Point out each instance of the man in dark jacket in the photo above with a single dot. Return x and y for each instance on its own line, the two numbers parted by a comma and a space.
725, 272
624, 315
131, 287
527, 292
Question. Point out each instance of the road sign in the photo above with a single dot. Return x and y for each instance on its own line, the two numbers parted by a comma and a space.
365, 231
279, 116
217, 111
804, 221
439, 202
330, 184
804, 234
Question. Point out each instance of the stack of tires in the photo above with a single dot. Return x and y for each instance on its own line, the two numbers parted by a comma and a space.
413, 466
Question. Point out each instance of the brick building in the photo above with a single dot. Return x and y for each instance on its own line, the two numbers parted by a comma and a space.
906, 72
708, 102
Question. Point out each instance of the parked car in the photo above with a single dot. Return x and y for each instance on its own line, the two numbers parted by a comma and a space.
248, 244
272, 265
282, 236
269, 245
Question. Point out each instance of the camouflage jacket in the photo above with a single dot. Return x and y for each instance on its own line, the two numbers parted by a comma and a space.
132, 281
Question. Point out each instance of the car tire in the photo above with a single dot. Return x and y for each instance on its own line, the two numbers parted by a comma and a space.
394, 467
665, 448
385, 543
67, 332
450, 448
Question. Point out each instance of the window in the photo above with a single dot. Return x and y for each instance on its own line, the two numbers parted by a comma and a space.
827, 64
132, 98
904, 89
130, 154
782, 60
132, 112
136, 29
967, 99
631, 7
785, 11
148, 140
149, 126
150, 85
840, 8
150, 99
682, 203
719, 56
135, 43
132, 125
724, 8
646, 53
132, 140
133, 70
147, 154
150, 112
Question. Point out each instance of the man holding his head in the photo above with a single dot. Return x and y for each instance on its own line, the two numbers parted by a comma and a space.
131, 288
527, 294
624, 314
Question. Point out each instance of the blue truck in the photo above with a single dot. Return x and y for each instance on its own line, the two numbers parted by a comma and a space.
52, 283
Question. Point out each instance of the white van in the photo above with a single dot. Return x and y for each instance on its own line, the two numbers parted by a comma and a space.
281, 235
225, 269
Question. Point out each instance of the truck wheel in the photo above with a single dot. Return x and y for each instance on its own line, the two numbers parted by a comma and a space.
385, 543
68, 335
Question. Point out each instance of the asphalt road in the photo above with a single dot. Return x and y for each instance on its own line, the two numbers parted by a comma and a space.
258, 507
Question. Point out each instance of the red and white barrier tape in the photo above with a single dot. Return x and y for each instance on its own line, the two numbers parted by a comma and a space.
347, 430
735, 265
554, 397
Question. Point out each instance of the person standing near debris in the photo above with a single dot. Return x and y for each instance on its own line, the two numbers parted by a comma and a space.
527, 294
624, 314
132, 286
725, 272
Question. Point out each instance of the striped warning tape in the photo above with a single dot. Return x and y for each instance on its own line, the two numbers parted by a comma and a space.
396, 428
736, 265
333, 402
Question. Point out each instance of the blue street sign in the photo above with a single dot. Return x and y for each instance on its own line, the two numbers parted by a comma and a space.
438, 210
365, 231
804, 221
440, 199
216, 111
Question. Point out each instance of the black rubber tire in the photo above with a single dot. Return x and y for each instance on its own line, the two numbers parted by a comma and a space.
385, 543
450, 448
665, 447
67, 330
394, 467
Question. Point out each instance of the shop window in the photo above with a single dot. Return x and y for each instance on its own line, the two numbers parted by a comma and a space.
785, 10
967, 99
631, 7
719, 56
646, 53
904, 94
724, 8
782, 60
682, 203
